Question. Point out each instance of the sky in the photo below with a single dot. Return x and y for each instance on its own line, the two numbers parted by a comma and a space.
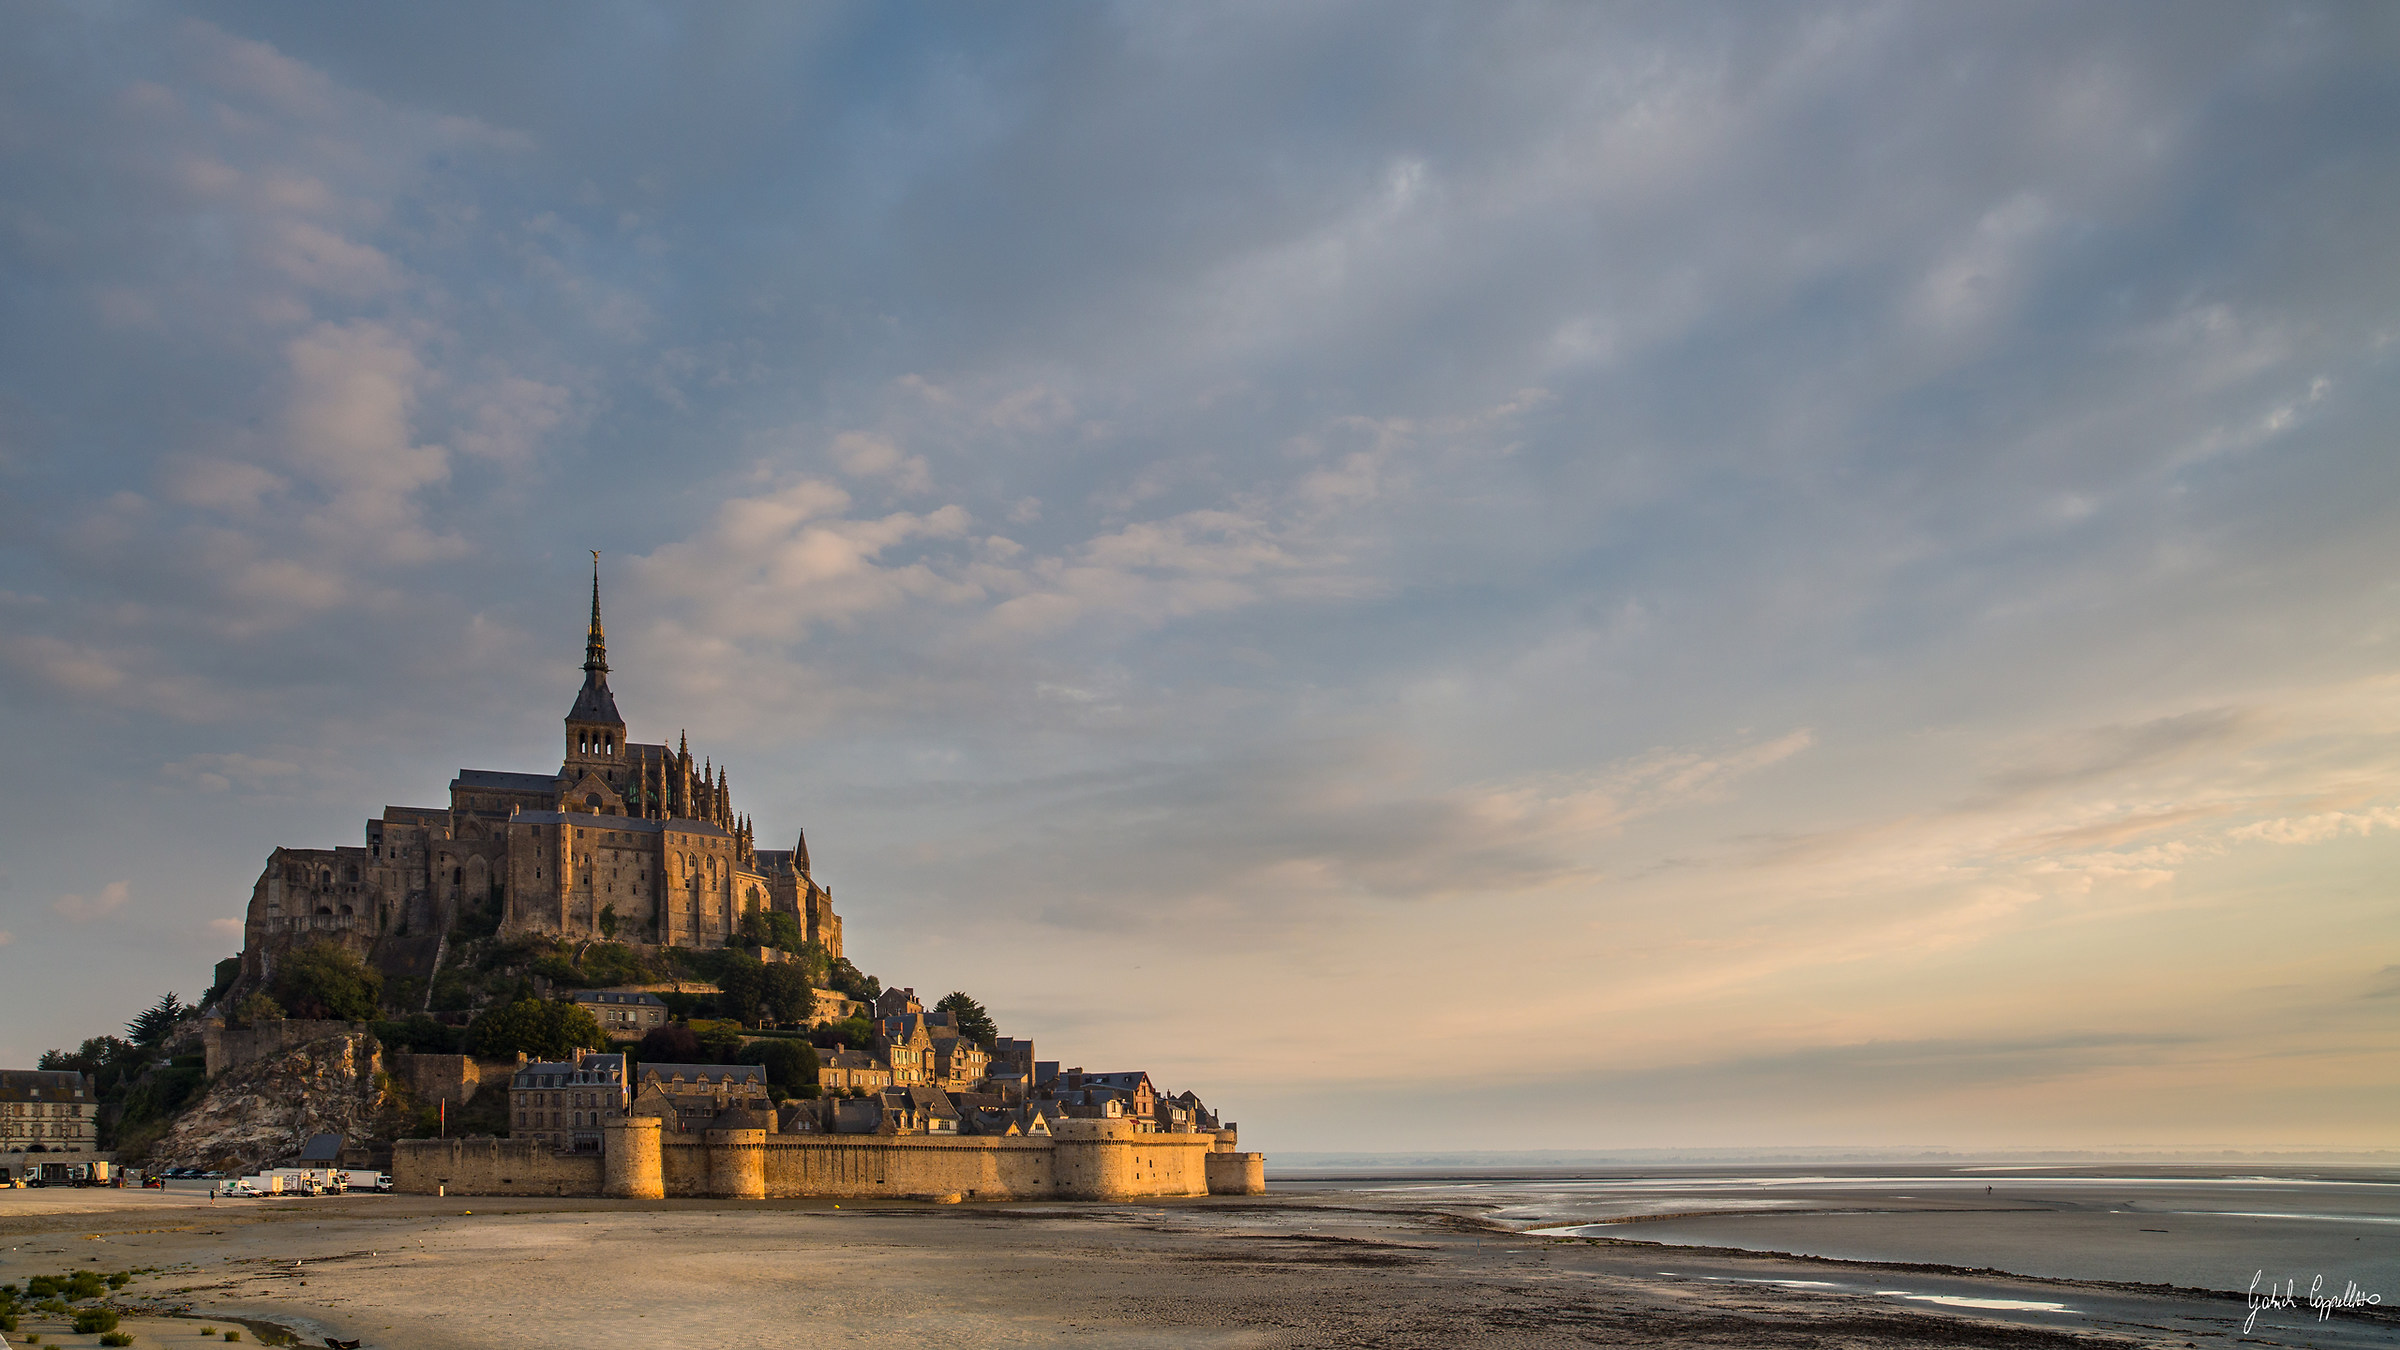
1446, 576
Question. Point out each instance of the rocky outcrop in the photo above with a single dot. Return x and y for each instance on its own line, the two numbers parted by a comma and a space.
259, 1114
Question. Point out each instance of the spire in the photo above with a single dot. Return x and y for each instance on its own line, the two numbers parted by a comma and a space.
595, 643
800, 854
594, 705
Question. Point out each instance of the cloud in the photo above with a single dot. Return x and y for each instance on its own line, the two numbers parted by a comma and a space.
863, 455
2318, 829
1143, 515
2100, 752
220, 772
88, 908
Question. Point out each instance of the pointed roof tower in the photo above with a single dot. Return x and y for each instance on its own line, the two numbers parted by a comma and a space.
594, 704
800, 854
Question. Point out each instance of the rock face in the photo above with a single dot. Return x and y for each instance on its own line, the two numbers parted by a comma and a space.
259, 1114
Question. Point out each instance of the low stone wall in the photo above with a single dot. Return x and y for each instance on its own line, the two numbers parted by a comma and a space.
1086, 1160
232, 1047
488, 1166
451, 1078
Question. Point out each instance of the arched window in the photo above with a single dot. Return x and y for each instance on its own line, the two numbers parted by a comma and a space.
322, 909
592, 800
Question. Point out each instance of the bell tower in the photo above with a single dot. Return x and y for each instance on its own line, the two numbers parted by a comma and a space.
595, 733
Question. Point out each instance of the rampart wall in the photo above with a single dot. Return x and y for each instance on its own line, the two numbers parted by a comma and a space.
232, 1047
1086, 1160
487, 1166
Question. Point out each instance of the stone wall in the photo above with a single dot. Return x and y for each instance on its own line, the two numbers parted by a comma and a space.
232, 1047
492, 1167
1086, 1160
451, 1078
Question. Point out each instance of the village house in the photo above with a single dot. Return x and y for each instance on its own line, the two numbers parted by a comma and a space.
958, 1063
845, 1070
1184, 1113
906, 1045
626, 1015
565, 1104
47, 1110
689, 1096
1132, 1092
919, 1108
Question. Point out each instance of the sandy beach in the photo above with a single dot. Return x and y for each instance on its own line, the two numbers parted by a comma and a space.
1325, 1268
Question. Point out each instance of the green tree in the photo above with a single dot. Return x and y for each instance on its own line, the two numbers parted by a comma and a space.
784, 994
258, 1007
155, 1023
783, 932
969, 1016
608, 921
849, 980
108, 1059
326, 980
542, 1028
855, 1032
673, 1043
421, 1034
742, 986
790, 1065
721, 1045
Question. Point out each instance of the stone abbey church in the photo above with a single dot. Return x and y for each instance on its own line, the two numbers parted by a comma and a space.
628, 839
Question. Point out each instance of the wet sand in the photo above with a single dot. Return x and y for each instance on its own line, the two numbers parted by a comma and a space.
1332, 1268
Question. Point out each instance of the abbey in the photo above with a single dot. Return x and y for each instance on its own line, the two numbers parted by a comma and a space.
629, 841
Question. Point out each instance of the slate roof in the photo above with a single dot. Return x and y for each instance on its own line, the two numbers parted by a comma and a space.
585, 1072
643, 998
742, 1118
593, 703
634, 823
513, 782
43, 1085
703, 1073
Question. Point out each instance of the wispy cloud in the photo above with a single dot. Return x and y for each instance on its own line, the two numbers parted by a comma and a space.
98, 905
1727, 532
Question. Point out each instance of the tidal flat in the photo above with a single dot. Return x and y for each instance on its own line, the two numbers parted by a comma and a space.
1316, 1266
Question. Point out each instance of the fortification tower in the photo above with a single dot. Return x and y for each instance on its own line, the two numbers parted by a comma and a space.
632, 1165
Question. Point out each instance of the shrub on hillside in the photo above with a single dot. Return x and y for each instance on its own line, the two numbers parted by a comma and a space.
670, 1044
790, 1065
422, 1035
326, 980
541, 1028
